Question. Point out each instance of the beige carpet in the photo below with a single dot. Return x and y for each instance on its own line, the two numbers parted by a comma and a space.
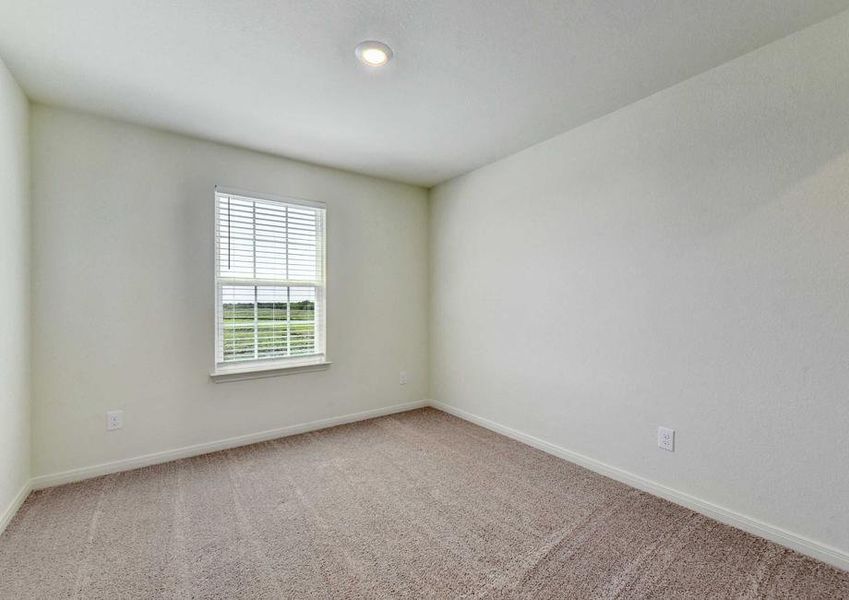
417, 505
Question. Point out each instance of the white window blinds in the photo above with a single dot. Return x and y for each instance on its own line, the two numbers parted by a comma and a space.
269, 281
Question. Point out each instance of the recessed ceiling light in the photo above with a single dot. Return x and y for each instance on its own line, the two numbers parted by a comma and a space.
373, 54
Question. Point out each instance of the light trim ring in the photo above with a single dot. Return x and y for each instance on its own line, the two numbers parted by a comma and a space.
373, 54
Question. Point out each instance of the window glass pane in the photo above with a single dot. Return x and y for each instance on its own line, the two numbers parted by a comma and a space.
237, 331
272, 322
267, 322
302, 328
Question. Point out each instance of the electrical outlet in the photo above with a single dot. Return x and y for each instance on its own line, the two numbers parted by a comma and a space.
404, 379
666, 438
114, 419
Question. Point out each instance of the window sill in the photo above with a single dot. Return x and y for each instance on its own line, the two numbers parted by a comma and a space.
254, 371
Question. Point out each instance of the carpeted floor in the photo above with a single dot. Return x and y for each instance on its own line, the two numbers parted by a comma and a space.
416, 505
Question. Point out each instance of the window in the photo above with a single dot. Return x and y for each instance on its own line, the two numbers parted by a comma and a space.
269, 283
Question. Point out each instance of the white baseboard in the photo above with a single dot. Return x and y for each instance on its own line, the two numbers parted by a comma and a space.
809, 547
14, 505
127, 464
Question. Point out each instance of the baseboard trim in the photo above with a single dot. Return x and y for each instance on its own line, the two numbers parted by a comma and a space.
127, 464
802, 544
12, 509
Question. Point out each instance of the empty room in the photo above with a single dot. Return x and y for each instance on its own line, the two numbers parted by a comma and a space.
424, 299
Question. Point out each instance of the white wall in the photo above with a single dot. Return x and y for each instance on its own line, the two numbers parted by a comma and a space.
123, 292
683, 261
15, 297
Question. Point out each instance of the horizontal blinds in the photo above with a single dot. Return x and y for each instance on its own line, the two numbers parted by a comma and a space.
269, 279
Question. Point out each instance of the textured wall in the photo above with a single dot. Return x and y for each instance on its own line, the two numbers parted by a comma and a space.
684, 262
123, 292
15, 297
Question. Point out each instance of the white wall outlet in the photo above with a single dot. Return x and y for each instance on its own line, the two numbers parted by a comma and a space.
114, 419
666, 438
404, 379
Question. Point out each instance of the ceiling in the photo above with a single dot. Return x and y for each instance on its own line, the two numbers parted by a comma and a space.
472, 80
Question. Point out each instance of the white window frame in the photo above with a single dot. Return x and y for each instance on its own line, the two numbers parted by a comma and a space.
249, 369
